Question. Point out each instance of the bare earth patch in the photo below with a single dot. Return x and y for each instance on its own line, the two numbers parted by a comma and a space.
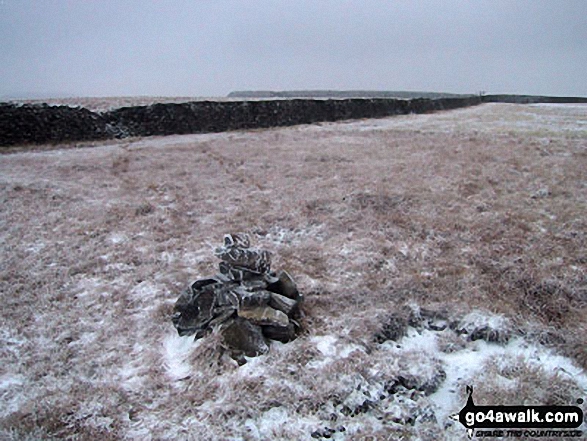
480, 212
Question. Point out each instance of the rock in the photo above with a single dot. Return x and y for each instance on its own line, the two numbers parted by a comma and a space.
243, 337
221, 315
282, 303
490, 335
284, 334
428, 319
264, 315
285, 286
425, 415
253, 299
426, 385
193, 310
438, 324
240, 240
255, 284
479, 325
205, 303
226, 295
541, 193
394, 328
257, 261
236, 273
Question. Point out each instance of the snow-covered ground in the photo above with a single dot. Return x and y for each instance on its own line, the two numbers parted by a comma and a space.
480, 213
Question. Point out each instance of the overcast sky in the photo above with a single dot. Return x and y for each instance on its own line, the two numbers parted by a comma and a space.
212, 47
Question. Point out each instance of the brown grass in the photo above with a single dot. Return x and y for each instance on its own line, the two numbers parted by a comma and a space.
368, 216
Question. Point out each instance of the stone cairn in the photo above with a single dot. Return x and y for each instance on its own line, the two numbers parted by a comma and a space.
246, 302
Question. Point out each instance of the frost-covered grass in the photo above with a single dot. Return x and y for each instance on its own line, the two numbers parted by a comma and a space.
481, 212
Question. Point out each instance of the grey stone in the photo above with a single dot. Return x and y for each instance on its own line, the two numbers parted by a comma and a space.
236, 274
226, 296
282, 303
264, 315
240, 240
253, 299
490, 335
393, 328
426, 385
258, 261
541, 193
428, 319
221, 315
194, 310
255, 284
283, 334
243, 337
205, 301
285, 286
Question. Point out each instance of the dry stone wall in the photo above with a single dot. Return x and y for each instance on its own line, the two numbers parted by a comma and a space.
40, 124
533, 99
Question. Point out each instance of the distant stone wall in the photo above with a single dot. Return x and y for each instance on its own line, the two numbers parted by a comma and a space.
39, 124
532, 99
209, 116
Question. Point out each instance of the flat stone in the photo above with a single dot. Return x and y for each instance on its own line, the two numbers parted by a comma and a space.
264, 315
201, 283
243, 337
252, 299
283, 334
282, 303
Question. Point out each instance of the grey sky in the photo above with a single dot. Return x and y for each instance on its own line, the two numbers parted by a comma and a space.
211, 47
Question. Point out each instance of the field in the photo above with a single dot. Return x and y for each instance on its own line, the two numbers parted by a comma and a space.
476, 216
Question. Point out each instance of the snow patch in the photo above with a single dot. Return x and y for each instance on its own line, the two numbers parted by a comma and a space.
331, 349
176, 351
191, 259
419, 341
272, 420
478, 319
467, 365
35, 247
117, 238
419, 354
11, 393
288, 236
8, 380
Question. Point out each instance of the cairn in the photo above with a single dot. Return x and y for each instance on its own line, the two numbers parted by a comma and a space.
246, 302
